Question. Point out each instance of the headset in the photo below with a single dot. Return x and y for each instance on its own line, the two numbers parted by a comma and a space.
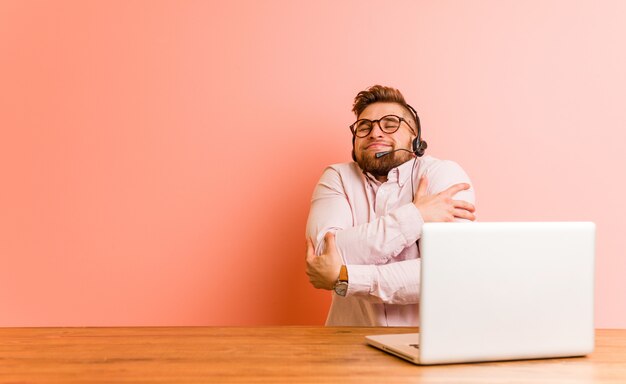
418, 146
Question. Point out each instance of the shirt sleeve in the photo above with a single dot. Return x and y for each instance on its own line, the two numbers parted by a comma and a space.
375, 242
394, 283
444, 175
368, 249
399, 282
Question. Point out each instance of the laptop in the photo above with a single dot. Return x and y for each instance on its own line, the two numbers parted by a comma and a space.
501, 291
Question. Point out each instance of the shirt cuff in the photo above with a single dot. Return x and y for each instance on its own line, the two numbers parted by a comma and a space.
360, 279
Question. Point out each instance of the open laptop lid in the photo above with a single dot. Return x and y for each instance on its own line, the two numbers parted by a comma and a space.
500, 291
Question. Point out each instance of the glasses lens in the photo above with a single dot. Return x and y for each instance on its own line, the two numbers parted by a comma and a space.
362, 128
390, 124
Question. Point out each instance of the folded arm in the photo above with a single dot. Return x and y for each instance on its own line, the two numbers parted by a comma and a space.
367, 249
374, 242
394, 283
445, 195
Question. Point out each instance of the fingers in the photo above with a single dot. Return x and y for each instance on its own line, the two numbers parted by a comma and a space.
321, 269
329, 239
453, 190
464, 210
464, 214
310, 250
464, 205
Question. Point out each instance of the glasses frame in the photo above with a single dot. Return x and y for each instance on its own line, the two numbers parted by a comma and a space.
402, 119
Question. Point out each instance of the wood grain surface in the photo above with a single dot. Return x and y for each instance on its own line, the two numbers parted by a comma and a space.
266, 355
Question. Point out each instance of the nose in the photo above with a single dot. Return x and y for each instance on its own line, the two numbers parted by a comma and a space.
376, 129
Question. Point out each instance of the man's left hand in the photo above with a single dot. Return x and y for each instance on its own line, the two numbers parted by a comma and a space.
323, 270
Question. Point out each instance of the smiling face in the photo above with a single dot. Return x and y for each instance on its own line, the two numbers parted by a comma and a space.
365, 148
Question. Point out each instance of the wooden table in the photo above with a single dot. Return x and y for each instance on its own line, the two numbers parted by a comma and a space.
266, 355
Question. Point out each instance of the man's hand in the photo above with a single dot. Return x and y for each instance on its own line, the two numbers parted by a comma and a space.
441, 207
323, 270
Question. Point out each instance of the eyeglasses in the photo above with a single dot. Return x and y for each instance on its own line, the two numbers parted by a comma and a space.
388, 124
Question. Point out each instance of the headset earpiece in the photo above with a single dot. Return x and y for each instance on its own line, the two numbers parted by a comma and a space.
421, 148
419, 145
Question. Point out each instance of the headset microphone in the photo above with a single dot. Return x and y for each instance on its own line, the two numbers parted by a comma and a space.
381, 154
418, 149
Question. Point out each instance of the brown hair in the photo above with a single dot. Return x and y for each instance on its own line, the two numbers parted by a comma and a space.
378, 93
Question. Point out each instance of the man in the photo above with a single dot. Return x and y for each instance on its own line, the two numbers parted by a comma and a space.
366, 216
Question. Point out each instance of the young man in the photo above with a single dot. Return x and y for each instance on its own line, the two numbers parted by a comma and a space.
366, 216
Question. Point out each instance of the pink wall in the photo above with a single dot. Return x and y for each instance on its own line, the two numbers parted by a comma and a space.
157, 157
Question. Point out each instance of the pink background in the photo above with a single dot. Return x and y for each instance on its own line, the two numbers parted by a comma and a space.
157, 157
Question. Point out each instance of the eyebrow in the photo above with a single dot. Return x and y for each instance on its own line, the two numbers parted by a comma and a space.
386, 114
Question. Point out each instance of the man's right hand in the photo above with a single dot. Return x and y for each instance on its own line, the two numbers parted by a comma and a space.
323, 270
441, 206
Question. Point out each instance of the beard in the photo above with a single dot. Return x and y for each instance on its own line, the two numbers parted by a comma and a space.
381, 166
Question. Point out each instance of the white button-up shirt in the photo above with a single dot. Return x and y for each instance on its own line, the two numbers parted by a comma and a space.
377, 226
